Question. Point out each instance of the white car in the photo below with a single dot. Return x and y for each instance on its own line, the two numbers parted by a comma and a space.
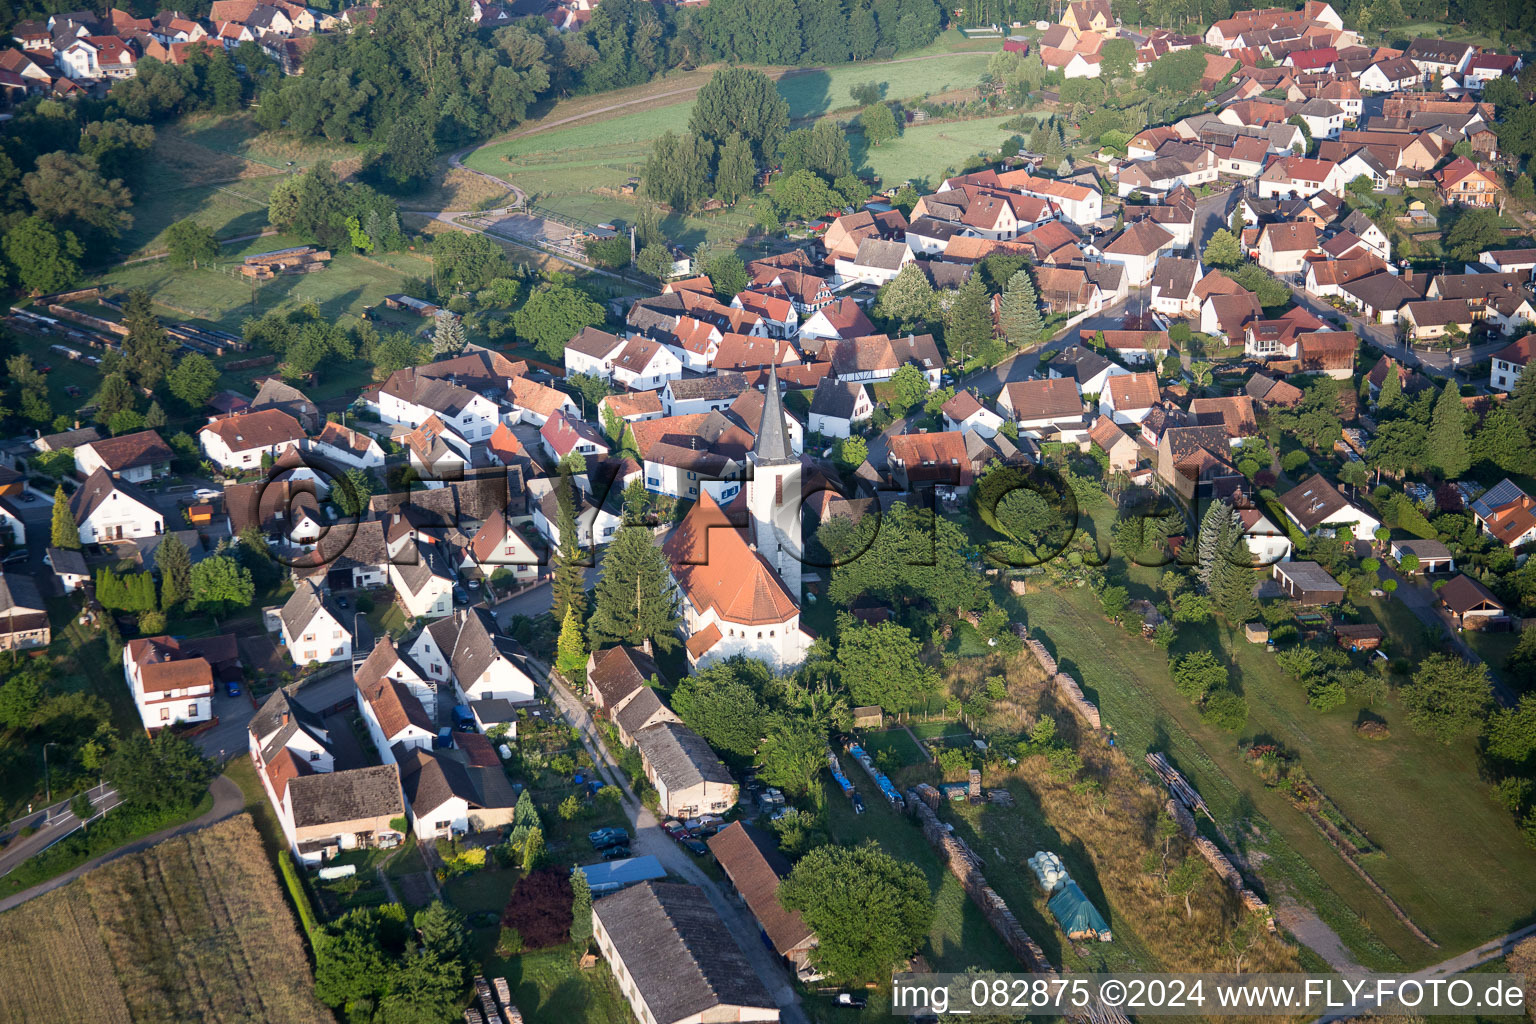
207, 494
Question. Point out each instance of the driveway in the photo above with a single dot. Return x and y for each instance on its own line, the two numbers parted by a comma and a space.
649, 838
1211, 214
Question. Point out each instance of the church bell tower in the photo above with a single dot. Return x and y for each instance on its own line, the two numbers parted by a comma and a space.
773, 491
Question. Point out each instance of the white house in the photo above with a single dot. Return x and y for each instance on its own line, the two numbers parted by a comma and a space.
313, 628
422, 581
1283, 247
644, 365
393, 715
1316, 504
1324, 118
1042, 408
1137, 249
1129, 397
168, 685
108, 510
487, 665
1267, 542
965, 412
591, 352
447, 796
1510, 362
877, 262
239, 442
137, 457
498, 545
409, 398
351, 448
838, 406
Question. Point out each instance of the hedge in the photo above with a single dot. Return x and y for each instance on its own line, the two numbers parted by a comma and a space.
300, 897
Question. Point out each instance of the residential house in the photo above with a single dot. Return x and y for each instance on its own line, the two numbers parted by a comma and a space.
1297, 176
643, 364
615, 674
674, 959
498, 546
391, 705
240, 441
1323, 118
436, 452
1433, 555
107, 510
627, 408
592, 352
838, 406
1137, 249
843, 318
137, 457
1509, 362
936, 457
1192, 461
278, 394
1267, 542
965, 413
485, 664
1137, 347
23, 616
1123, 453
1317, 505
423, 582
450, 797
323, 814
1506, 513
1228, 314
1089, 369
168, 684
313, 628
564, 436
1173, 286
1128, 398
1390, 74
411, 396
68, 567
351, 448
1435, 318
1045, 409
878, 261
1438, 58
1283, 248
1463, 182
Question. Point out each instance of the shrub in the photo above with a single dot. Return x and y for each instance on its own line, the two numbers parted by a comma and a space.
1225, 710
540, 909
152, 623
510, 943
1372, 729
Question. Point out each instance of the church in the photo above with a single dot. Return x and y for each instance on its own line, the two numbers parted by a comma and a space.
738, 568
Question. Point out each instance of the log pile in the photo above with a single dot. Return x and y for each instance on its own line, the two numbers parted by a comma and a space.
1178, 785
304, 259
1070, 693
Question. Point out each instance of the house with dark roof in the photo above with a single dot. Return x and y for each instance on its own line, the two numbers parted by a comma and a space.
284, 397
313, 628
616, 673
689, 777
1085, 366
68, 567
1433, 555
423, 581
1509, 362
482, 663
390, 692
965, 413
1045, 409
447, 796
1194, 461
326, 813
23, 616
674, 959
640, 710
108, 510
137, 458
1315, 504
838, 406
752, 862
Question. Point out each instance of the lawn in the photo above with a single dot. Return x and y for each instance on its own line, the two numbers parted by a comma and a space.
1422, 804
960, 936
549, 988
194, 929
898, 743
927, 153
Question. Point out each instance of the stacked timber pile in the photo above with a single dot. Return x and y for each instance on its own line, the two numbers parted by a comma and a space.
301, 260
1178, 785
95, 323
966, 866
1181, 807
1065, 685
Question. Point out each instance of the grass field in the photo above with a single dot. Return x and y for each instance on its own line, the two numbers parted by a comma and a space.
194, 929
1422, 804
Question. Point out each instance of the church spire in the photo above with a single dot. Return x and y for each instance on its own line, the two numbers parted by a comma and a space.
772, 436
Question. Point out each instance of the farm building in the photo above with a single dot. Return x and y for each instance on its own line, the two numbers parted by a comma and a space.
753, 863
420, 307
1308, 583
613, 875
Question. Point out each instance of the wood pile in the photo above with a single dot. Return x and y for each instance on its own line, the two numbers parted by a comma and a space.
95, 323
1178, 785
301, 260
1066, 686
966, 866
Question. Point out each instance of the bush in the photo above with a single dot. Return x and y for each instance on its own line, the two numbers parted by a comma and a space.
152, 623
1292, 461
539, 911
1225, 710
510, 943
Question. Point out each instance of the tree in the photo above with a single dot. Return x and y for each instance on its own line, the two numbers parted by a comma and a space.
581, 911
908, 388
881, 663
1222, 250
175, 564
166, 771
802, 194
1474, 231
1448, 698
1448, 449
553, 315
794, 754
220, 583
869, 911
69, 189
146, 349
1511, 736
46, 258
190, 244
635, 603
568, 586
726, 272
879, 123
968, 321
1021, 311
655, 260
741, 101
1118, 59
350, 961
21, 696
352, 491
736, 172
719, 705
852, 451
1197, 674
906, 299
448, 334
66, 533
571, 656
914, 556
154, 416
1499, 442
409, 152
1390, 396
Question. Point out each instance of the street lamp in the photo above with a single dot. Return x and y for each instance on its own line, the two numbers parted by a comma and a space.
47, 786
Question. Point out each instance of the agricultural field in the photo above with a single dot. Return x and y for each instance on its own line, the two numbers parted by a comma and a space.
195, 928
1422, 805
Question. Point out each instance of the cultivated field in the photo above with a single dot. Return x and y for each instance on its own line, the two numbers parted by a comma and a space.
195, 929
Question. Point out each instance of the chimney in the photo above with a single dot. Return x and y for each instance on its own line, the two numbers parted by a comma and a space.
285, 718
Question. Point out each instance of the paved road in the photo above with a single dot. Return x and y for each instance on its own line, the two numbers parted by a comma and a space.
1383, 337
52, 823
651, 839
228, 801
1486, 953
1211, 214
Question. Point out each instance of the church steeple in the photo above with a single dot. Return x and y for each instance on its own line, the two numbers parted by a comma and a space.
772, 443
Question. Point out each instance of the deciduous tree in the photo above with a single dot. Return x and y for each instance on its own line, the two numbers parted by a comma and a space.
868, 910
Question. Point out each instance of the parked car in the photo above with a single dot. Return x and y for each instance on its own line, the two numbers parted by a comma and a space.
605, 837
342, 602
232, 688
207, 494
858, 804
849, 999
616, 853
695, 847
460, 595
